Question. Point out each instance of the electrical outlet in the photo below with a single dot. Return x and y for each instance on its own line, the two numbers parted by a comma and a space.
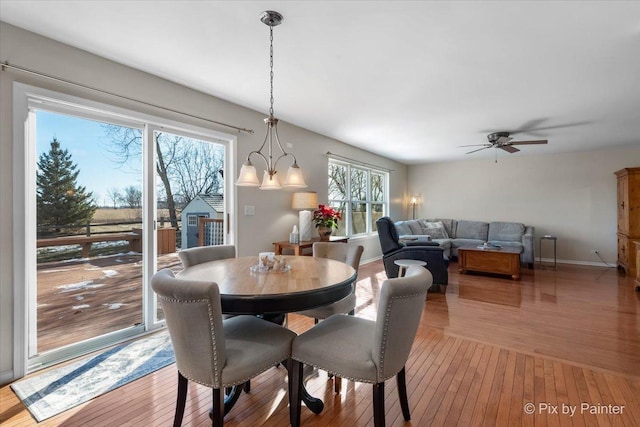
594, 251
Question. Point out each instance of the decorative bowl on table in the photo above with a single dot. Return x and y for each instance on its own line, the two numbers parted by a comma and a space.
268, 261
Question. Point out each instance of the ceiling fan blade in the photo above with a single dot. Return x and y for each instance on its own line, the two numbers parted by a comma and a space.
541, 141
509, 148
483, 148
504, 139
475, 145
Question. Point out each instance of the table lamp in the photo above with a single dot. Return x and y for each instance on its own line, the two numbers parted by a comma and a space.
304, 201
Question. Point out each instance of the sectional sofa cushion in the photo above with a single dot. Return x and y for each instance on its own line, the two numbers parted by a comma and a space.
434, 229
449, 225
506, 231
472, 230
444, 244
402, 228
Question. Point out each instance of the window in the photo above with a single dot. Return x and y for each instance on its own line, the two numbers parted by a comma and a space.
360, 194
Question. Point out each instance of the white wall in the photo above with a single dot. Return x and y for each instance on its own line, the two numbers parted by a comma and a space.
274, 217
570, 195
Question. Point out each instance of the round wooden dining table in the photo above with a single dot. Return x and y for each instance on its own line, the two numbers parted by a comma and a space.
308, 282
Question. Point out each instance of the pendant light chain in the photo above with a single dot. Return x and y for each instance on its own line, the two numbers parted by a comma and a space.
271, 66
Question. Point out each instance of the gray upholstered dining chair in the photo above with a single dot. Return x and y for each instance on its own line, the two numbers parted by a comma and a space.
209, 351
200, 254
348, 254
365, 350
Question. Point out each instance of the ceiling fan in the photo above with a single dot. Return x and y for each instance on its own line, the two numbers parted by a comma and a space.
504, 141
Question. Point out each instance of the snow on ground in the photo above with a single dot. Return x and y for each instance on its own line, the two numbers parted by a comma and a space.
86, 284
110, 273
79, 307
59, 270
115, 305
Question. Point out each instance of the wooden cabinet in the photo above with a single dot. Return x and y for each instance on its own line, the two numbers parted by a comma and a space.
628, 217
637, 242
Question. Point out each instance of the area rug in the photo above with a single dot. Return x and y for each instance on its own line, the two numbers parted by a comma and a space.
57, 390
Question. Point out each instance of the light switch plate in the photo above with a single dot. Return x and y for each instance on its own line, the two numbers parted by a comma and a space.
249, 210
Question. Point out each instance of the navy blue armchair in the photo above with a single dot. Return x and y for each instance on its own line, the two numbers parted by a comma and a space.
429, 252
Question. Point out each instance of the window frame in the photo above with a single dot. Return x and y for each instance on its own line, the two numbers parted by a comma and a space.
368, 202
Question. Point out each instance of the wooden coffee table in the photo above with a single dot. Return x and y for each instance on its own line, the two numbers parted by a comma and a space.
498, 261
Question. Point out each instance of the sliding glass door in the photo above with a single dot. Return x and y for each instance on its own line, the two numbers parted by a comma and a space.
100, 199
190, 188
89, 226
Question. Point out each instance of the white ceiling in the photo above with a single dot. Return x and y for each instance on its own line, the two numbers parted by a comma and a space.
408, 80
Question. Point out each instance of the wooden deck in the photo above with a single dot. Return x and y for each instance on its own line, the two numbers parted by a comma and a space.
85, 298
485, 348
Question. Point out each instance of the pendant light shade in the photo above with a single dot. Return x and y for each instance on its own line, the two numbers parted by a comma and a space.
270, 182
294, 178
248, 176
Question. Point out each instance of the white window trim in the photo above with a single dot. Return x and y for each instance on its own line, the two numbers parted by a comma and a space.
25, 99
369, 202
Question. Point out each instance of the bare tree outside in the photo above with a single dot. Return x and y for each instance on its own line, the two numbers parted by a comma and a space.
114, 196
354, 191
185, 167
198, 173
132, 197
338, 193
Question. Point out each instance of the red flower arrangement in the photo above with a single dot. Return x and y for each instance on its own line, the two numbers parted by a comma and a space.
325, 216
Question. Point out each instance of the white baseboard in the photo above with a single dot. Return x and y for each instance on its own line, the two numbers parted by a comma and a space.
6, 376
367, 261
548, 261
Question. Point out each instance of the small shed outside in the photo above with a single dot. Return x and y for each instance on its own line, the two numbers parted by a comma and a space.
202, 206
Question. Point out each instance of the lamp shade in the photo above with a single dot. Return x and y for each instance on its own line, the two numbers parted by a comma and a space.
294, 178
270, 182
248, 176
304, 200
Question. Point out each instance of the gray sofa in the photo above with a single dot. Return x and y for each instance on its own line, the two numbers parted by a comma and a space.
454, 234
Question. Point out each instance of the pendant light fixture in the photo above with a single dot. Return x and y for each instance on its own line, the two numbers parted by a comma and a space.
248, 176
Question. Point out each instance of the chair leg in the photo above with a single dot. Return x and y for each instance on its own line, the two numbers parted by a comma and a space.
378, 405
217, 411
337, 384
295, 392
247, 387
181, 400
402, 394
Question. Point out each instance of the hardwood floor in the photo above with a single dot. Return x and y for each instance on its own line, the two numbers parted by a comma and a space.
485, 349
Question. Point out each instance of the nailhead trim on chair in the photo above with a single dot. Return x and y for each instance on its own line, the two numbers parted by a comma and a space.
216, 377
380, 363
362, 380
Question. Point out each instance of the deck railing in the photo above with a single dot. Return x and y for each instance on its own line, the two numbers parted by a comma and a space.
210, 231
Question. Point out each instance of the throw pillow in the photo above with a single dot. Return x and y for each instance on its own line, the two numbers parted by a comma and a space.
434, 229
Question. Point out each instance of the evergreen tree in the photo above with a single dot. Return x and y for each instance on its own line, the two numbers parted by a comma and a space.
61, 201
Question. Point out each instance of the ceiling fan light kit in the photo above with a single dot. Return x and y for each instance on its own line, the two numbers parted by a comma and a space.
504, 141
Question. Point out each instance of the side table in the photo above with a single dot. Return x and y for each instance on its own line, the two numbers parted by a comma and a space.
403, 264
554, 239
298, 247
